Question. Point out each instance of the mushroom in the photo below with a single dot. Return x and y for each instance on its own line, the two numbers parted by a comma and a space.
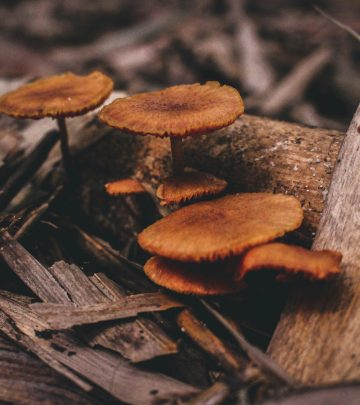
193, 278
124, 187
178, 112
61, 96
213, 230
230, 275
311, 264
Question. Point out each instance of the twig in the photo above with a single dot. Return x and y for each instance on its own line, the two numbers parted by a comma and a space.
292, 86
257, 356
207, 340
255, 72
37, 213
343, 26
28, 168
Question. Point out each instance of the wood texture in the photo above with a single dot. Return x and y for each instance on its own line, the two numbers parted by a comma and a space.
103, 368
26, 380
59, 316
67, 284
317, 339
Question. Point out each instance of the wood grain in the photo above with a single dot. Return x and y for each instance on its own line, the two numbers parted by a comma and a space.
317, 339
67, 284
103, 368
59, 316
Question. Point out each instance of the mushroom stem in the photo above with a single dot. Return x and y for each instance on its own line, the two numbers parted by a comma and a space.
64, 144
177, 152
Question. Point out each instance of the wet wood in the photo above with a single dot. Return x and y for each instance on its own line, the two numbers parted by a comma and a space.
317, 339
59, 316
103, 368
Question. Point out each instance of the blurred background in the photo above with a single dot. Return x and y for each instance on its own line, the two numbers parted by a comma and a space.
289, 60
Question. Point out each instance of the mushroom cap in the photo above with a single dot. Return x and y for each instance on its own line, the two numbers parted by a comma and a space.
189, 185
177, 111
65, 95
190, 278
216, 229
312, 264
124, 187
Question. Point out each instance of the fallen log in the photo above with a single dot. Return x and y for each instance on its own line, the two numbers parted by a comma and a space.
253, 154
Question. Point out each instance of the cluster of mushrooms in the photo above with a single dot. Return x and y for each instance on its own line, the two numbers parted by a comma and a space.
208, 247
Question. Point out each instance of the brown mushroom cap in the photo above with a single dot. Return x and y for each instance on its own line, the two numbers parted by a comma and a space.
177, 111
189, 278
293, 259
213, 230
189, 185
124, 187
65, 95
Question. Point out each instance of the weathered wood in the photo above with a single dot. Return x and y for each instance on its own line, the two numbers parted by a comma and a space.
31, 272
144, 339
105, 369
26, 380
67, 284
59, 316
317, 339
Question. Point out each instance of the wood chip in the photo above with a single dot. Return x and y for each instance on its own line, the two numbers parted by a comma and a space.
65, 316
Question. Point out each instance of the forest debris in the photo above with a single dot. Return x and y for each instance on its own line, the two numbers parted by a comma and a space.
103, 368
59, 316
256, 73
291, 88
340, 24
214, 395
28, 168
208, 341
264, 362
26, 379
66, 284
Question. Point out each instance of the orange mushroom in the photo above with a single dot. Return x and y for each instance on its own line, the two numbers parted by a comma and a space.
61, 96
230, 275
292, 260
124, 187
190, 278
213, 230
177, 112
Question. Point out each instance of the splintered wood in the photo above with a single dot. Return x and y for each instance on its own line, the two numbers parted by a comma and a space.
67, 284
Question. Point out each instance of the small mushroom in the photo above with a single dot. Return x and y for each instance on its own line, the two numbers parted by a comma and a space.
177, 112
213, 230
124, 187
193, 278
188, 185
317, 265
61, 96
